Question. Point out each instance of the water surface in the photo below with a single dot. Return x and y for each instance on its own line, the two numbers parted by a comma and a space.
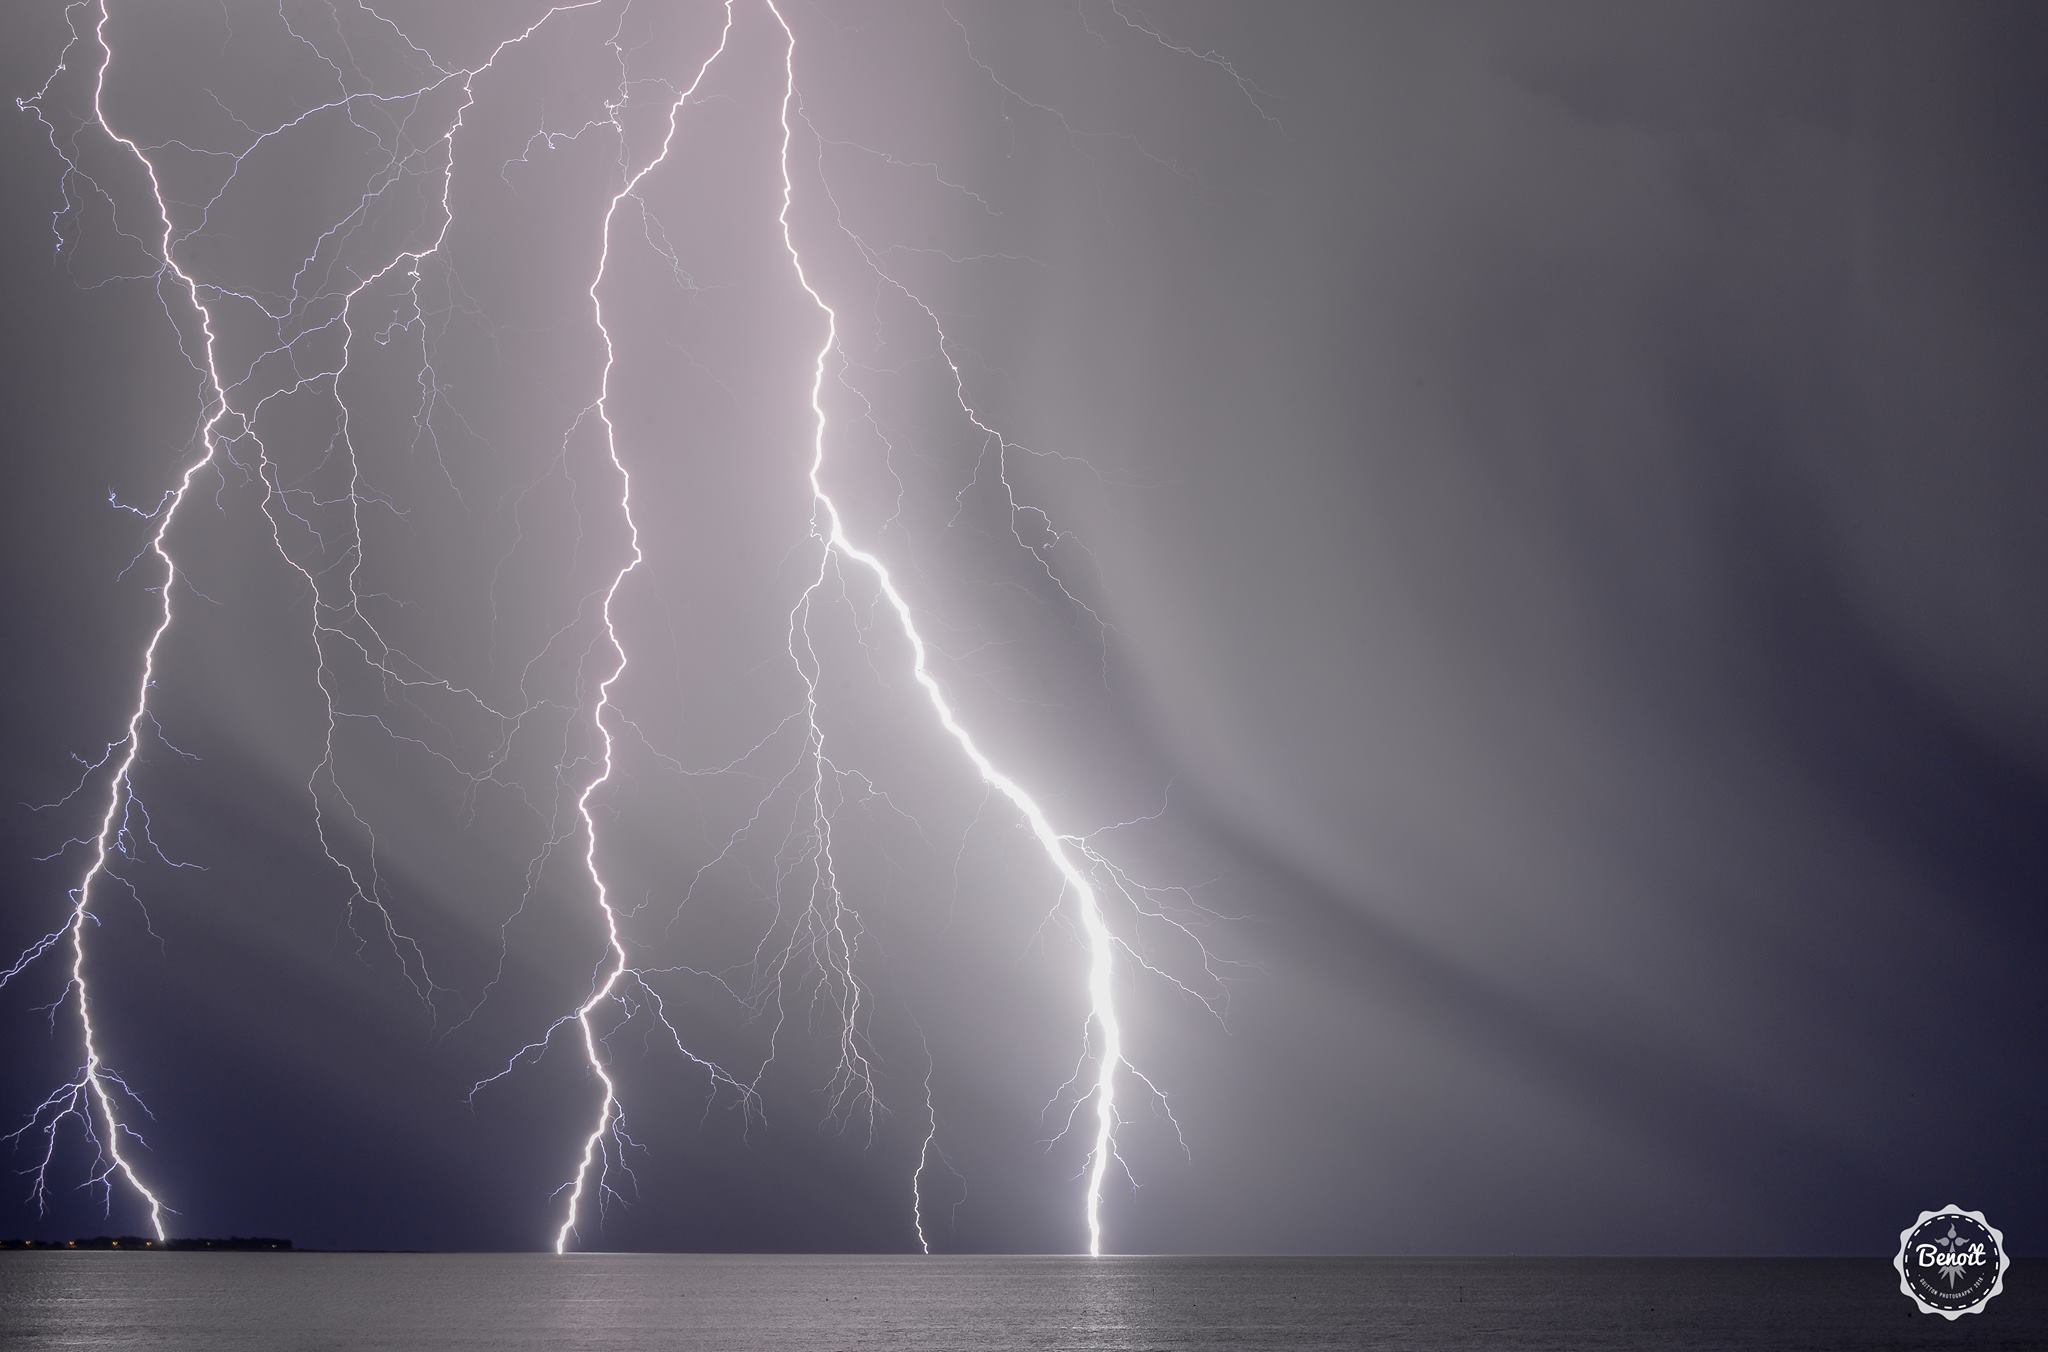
296, 1302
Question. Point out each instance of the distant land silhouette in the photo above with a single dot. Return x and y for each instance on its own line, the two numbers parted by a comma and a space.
231, 1242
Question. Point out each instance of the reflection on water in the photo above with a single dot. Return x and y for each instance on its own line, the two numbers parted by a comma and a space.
512, 1302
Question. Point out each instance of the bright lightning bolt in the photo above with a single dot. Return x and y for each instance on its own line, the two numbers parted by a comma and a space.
94, 1079
1103, 1032
609, 1112
89, 1099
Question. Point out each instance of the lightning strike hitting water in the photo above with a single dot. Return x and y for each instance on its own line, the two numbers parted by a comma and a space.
609, 1112
90, 1093
1102, 1016
811, 951
221, 425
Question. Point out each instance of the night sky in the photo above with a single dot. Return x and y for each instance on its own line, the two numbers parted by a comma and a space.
1532, 514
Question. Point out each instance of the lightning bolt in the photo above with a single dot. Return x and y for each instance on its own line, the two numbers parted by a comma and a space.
815, 934
89, 1098
1102, 1033
609, 1112
94, 1098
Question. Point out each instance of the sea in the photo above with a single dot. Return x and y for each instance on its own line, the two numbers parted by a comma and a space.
297, 1302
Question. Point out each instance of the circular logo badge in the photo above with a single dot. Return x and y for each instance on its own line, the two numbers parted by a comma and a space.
1951, 1262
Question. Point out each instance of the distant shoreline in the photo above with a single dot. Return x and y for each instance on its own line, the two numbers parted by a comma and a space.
125, 1243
